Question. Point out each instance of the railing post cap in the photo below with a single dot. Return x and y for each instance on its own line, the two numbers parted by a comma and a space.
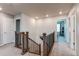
44, 34
27, 32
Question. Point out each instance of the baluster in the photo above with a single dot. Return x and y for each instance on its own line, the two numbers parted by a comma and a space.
39, 49
22, 35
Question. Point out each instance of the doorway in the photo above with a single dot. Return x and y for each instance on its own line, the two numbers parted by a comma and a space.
18, 25
17, 40
61, 31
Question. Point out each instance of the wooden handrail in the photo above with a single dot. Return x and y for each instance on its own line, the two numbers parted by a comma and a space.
33, 41
39, 47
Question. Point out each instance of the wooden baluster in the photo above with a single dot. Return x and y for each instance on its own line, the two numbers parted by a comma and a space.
39, 49
27, 36
15, 39
44, 44
22, 35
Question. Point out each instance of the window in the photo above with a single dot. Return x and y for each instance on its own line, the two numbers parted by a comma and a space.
58, 27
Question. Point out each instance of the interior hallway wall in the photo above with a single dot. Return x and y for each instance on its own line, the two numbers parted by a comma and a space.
27, 24
77, 29
72, 28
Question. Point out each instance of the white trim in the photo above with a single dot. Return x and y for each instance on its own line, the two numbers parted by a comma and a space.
6, 43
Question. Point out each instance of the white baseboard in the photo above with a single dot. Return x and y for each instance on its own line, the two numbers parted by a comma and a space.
6, 43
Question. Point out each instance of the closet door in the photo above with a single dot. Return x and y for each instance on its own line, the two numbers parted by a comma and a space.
0, 32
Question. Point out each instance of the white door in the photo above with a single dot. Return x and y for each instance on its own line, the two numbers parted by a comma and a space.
74, 30
1, 35
8, 34
73, 33
0, 32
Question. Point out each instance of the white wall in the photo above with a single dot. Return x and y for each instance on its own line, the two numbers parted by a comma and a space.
77, 30
37, 27
72, 27
7, 31
26, 24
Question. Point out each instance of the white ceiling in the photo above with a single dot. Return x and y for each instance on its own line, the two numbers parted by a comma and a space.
39, 9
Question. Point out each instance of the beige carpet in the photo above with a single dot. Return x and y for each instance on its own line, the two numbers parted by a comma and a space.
10, 50
61, 49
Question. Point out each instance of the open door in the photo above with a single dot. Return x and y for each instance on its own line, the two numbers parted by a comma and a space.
17, 40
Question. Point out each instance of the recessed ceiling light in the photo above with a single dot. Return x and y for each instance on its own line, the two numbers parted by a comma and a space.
0, 8
47, 15
36, 17
60, 12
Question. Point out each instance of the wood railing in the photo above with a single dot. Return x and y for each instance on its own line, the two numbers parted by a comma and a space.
25, 43
34, 47
21, 41
48, 42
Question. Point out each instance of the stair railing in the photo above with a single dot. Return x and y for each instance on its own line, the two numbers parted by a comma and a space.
25, 43
48, 42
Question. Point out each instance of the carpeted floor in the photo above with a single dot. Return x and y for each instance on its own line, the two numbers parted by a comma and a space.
61, 49
10, 50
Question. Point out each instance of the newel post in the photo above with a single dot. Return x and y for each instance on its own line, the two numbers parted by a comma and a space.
43, 37
22, 37
39, 49
27, 36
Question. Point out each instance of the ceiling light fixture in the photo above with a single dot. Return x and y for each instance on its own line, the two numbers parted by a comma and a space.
47, 15
0, 8
60, 12
36, 17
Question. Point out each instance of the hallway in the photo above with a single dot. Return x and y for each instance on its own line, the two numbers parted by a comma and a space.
61, 49
37, 19
61, 39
